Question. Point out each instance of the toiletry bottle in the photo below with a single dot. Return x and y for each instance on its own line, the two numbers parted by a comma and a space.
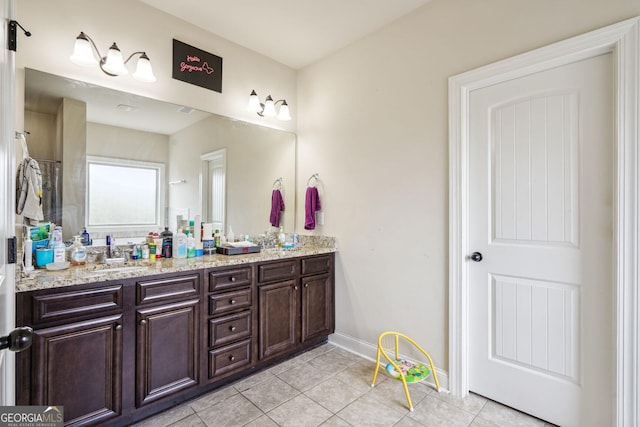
230, 236
281, 237
217, 242
78, 252
191, 246
167, 243
27, 252
86, 237
180, 244
59, 253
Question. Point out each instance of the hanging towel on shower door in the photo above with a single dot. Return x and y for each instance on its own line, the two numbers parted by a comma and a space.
277, 206
29, 187
311, 206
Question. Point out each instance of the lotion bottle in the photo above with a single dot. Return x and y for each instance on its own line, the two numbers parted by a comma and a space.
180, 244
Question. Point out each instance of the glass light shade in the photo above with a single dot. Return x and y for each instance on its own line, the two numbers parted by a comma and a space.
114, 64
254, 102
82, 52
284, 114
269, 107
143, 72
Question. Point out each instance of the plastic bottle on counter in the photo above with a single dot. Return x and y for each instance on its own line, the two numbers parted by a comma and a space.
217, 239
167, 243
59, 253
191, 245
180, 244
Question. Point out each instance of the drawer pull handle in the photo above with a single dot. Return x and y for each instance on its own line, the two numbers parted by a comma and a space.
232, 328
143, 322
232, 301
232, 358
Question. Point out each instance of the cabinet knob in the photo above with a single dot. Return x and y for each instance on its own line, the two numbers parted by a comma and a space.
306, 285
295, 288
233, 279
232, 328
232, 301
232, 358
143, 322
118, 327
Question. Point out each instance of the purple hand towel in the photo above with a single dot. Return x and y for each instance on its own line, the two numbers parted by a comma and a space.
311, 205
277, 206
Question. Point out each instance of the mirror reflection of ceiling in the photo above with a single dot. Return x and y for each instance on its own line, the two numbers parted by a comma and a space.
108, 106
293, 32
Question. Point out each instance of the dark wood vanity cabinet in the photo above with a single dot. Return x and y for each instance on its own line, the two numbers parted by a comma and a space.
295, 300
105, 350
167, 341
115, 352
230, 320
76, 358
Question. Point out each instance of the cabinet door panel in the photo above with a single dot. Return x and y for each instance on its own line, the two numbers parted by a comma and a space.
80, 368
167, 350
317, 306
279, 317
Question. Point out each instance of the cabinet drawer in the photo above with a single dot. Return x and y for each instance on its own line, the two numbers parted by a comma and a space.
76, 304
150, 291
229, 358
224, 330
220, 280
229, 301
315, 265
277, 271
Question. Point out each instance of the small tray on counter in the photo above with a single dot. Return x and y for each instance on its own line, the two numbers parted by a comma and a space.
228, 249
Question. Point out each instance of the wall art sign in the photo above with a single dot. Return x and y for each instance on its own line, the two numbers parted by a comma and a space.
195, 66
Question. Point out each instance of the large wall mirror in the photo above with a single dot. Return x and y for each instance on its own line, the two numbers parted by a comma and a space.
100, 150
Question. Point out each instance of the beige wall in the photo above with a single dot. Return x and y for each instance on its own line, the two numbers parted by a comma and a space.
373, 124
121, 143
256, 157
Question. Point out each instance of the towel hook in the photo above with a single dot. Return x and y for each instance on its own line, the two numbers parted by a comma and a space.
277, 182
314, 176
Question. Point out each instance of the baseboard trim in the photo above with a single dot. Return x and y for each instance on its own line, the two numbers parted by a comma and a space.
367, 351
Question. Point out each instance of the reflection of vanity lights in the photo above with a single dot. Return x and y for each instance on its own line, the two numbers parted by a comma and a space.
112, 64
268, 109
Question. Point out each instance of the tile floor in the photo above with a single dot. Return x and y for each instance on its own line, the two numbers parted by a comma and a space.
328, 387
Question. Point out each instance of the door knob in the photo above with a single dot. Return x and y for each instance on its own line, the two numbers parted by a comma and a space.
19, 339
476, 256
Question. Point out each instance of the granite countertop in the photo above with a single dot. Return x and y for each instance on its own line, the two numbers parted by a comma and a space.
91, 273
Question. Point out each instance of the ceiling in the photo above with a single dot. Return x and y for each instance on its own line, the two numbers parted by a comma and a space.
293, 32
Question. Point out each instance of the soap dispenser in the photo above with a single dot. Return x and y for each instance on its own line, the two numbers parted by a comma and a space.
78, 252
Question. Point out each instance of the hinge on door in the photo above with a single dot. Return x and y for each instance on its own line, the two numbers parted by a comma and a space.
12, 250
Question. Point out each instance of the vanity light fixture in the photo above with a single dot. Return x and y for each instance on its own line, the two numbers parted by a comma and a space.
112, 64
268, 109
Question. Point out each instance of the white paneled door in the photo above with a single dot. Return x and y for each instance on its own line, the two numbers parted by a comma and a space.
541, 229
